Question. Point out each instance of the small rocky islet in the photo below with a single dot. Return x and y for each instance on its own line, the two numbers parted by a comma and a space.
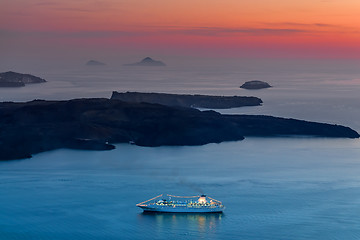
255, 84
14, 79
147, 62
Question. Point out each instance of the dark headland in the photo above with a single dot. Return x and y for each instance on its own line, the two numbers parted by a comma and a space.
182, 100
255, 84
38, 126
13, 79
148, 61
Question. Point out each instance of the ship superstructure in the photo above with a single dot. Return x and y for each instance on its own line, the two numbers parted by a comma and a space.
182, 204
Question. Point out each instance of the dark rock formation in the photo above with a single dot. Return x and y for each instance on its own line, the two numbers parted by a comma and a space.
255, 84
267, 126
13, 79
95, 63
197, 101
38, 126
147, 62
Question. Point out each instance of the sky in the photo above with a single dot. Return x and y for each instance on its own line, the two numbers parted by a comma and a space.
38, 29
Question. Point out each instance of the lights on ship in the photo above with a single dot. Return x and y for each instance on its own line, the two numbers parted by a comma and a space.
202, 199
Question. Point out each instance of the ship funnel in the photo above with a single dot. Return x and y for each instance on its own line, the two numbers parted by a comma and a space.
202, 199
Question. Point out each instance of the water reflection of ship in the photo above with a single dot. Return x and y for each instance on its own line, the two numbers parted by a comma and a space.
202, 222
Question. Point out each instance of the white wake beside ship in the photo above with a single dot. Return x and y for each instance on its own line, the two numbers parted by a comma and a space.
182, 204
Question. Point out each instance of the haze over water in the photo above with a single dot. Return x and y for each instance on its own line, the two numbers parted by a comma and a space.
273, 188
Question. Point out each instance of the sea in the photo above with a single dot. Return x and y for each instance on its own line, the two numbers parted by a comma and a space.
278, 188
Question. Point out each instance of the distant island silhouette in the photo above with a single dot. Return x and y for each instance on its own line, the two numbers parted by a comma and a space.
13, 79
97, 123
95, 63
184, 100
255, 84
148, 61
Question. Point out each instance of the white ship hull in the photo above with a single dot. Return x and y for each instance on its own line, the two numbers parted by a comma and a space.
182, 209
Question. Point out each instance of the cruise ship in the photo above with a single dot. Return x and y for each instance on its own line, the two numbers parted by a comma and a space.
182, 204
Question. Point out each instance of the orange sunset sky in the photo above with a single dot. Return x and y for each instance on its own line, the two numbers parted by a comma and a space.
226, 28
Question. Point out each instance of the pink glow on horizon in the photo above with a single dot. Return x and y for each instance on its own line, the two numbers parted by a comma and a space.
268, 28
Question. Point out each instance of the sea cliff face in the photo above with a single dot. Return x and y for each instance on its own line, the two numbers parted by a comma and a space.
38, 126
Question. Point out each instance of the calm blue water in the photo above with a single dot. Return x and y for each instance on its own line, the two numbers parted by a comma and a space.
273, 188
